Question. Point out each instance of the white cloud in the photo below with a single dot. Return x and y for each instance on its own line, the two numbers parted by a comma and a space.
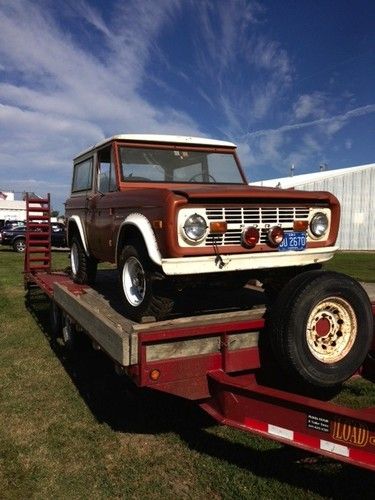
246, 71
335, 121
277, 149
311, 106
268, 54
312, 143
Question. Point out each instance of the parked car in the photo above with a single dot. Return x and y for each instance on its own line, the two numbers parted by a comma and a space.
16, 236
8, 224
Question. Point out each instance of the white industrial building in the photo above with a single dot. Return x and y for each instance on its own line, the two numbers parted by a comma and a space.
14, 210
11, 209
355, 189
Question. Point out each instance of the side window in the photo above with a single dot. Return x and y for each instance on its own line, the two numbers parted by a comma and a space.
106, 174
82, 177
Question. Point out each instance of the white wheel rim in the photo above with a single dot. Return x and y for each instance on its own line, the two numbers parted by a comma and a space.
331, 330
134, 281
74, 259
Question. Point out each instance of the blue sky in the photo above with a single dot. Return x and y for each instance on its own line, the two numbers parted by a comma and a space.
291, 82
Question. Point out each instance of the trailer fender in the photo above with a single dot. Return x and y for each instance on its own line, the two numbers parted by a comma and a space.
75, 219
144, 227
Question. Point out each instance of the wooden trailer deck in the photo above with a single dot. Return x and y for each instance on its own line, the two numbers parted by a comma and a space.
98, 312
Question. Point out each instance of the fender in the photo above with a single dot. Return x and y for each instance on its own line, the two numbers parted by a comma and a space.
142, 223
77, 220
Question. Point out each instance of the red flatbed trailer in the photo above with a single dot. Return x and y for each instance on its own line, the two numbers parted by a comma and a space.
215, 360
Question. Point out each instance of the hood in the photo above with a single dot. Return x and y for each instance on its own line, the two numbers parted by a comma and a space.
246, 194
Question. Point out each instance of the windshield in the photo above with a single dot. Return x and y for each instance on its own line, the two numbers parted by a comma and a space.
178, 165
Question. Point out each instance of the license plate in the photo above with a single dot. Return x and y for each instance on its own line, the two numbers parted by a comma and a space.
293, 240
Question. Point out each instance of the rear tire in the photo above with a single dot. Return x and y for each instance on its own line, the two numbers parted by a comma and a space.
83, 268
142, 286
321, 328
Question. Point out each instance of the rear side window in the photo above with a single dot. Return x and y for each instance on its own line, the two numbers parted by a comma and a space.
82, 177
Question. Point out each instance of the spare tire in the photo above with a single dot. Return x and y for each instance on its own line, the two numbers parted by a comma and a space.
321, 328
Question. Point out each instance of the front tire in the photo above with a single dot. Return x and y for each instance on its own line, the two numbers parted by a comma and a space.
321, 328
19, 245
83, 268
142, 286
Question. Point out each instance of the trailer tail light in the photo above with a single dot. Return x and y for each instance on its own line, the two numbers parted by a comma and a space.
154, 375
276, 235
250, 236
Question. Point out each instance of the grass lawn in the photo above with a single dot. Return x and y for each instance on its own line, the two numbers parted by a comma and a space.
359, 265
70, 428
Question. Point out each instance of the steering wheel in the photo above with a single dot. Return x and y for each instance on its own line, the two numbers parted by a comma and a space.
200, 174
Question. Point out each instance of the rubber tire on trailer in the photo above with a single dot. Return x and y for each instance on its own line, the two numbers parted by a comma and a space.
327, 358
146, 296
68, 332
19, 245
56, 320
83, 268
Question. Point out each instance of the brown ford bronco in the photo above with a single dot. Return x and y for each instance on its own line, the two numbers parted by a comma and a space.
175, 212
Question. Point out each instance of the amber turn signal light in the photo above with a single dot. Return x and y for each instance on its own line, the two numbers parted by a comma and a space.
300, 225
250, 237
218, 227
154, 375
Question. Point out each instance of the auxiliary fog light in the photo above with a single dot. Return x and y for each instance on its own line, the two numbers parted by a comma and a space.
276, 235
250, 236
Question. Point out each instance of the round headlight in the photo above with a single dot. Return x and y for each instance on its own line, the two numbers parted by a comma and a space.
195, 227
319, 224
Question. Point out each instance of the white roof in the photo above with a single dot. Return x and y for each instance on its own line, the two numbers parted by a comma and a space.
299, 180
175, 139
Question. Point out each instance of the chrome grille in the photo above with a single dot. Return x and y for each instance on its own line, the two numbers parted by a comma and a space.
238, 218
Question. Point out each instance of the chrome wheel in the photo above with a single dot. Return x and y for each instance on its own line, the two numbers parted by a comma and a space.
331, 330
134, 281
20, 246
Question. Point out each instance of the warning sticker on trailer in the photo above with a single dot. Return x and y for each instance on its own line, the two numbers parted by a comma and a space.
318, 423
